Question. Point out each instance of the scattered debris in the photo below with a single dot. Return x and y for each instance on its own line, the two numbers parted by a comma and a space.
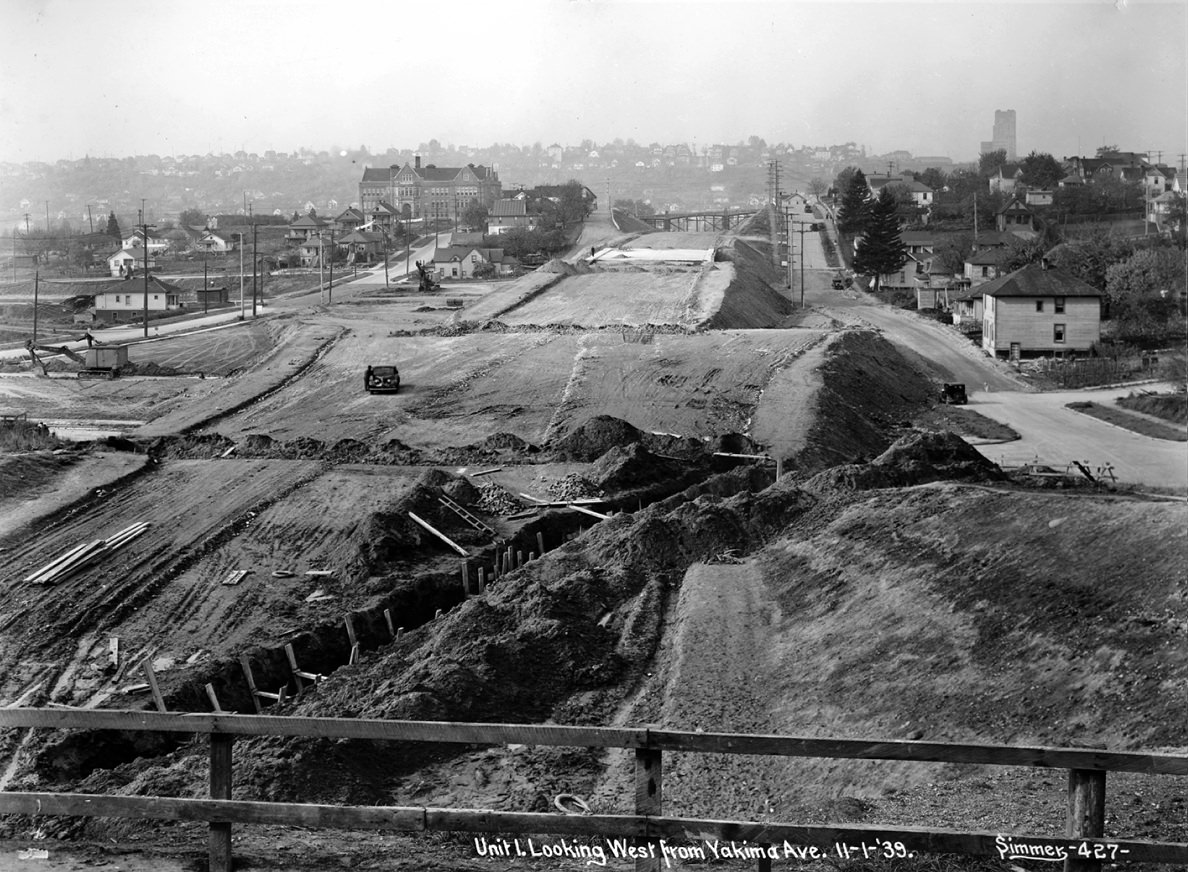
495, 500
235, 576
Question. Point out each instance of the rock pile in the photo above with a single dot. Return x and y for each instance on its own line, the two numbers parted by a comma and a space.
494, 500
573, 487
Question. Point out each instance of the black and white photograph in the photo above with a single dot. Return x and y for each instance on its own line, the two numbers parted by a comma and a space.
620, 434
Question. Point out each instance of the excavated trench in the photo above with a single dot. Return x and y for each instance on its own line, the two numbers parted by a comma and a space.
322, 649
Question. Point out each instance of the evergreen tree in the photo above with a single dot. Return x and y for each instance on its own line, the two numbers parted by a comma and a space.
854, 209
881, 250
113, 228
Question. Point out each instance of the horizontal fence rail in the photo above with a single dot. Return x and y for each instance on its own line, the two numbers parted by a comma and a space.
648, 837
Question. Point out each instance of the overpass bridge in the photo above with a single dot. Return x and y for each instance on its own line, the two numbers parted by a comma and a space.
699, 222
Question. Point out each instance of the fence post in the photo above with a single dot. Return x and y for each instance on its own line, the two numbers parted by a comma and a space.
220, 788
649, 784
1086, 813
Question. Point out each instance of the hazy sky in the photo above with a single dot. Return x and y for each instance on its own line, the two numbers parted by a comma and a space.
112, 78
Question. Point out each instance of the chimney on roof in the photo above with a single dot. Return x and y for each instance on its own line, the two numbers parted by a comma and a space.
417, 165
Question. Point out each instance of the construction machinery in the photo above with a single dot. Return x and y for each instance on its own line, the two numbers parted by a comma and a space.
427, 284
98, 361
381, 380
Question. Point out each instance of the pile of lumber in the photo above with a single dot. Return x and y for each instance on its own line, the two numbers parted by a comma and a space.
85, 555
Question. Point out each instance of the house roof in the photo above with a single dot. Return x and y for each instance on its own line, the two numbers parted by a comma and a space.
309, 221
1014, 205
351, 214
360, 237
988, 257
377, 174
509, 209
917, 237
1010, 170
1034, 280
454, 252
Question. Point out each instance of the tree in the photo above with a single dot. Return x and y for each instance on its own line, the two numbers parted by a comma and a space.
881, 250
1143, 291
818, 186
475, 215
572, 205
1107, 150
989, 162
1041, 170
113, 228
192, 218
934, 178
854, 210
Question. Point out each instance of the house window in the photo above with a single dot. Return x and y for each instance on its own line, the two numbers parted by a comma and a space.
1058, 333
1039, 305
985, 271
1059, 306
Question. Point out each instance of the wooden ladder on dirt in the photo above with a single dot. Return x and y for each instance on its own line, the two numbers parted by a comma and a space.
466, 516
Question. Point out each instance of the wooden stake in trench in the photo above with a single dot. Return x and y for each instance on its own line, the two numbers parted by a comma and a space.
256, 693
440, 535
350, 628
214, 699
152, 683
482, 581
298, 674
388, 620
465, 579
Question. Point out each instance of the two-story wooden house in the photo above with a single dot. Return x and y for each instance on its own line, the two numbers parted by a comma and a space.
1039, 310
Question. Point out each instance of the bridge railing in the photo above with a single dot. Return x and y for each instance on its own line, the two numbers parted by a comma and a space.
648, 837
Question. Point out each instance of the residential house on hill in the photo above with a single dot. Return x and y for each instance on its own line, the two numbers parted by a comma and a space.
305, 227
460, 261
1038, 310
135, 238
985, 265
1015, 218
128, 301
126, 261
349, 219
508, 215
1006, 178
216, 242
361, 245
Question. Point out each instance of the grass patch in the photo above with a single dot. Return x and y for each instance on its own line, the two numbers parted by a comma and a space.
1135, 424
25, 435
965, 422
1171, 407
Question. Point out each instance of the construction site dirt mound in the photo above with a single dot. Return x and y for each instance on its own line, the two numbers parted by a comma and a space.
630, 466
498, 443
917, 458
754, 298
598, 435
869, 393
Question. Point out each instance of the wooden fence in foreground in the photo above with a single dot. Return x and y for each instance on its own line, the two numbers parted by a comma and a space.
647, 837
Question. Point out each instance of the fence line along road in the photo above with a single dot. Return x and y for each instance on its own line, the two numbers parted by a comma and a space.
643, 837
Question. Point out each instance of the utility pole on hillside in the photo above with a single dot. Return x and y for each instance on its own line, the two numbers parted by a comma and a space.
144, 242
254, 262
330, 286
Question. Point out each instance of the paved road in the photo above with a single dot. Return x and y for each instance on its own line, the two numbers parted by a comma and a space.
1055, 435
1050, 433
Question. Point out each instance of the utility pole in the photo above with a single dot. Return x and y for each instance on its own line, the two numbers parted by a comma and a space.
321, 271
407, 245
89, 220
36, 282
385, 260
47, 224
254, 262
241, 277
801, 261
330, 286
144, 242
205, 289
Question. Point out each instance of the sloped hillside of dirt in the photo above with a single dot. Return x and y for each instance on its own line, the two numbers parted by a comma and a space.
752, 299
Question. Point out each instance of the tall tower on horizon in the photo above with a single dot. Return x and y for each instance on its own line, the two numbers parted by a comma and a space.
1004, 134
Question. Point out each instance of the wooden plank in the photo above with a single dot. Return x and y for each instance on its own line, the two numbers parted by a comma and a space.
58, 561
442, 536
486, 471
673, 830
600, 737
219, 835
649, 796
1086, 814
590, 512
235, 576
585, 501
158, 700
213, 697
